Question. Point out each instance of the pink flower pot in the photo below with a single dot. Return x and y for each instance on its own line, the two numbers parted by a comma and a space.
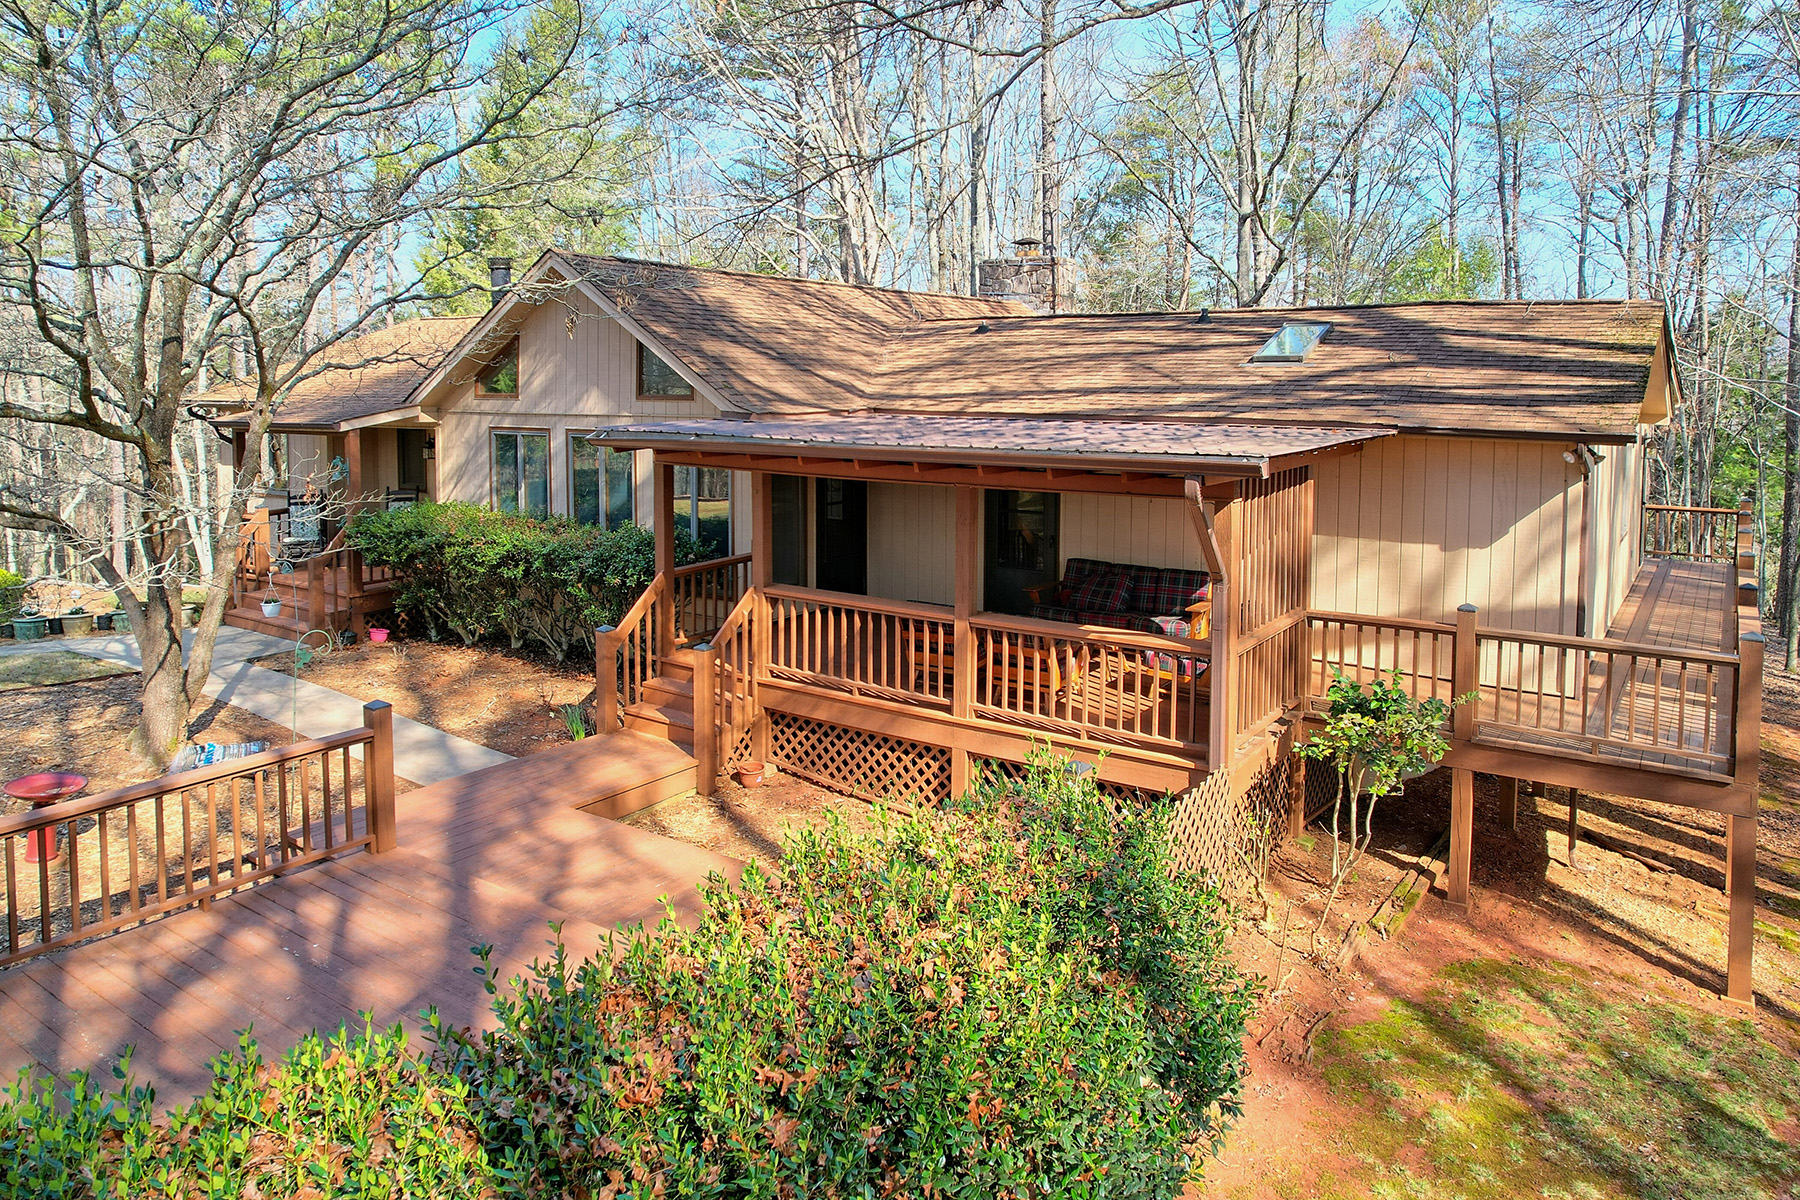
378, 635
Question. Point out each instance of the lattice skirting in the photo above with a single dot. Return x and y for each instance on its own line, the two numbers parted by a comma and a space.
873, 766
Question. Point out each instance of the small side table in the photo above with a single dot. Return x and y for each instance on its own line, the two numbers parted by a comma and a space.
44, 788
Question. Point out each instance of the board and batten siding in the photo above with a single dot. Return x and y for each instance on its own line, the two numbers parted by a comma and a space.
577, 373
1416, 526
1148, 531
1618, 536
912, 542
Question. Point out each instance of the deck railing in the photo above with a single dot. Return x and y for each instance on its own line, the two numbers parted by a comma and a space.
626, 655
1680, 531
132, 853
889, 649
725, 686
1091, 681
704, 593
1637, 705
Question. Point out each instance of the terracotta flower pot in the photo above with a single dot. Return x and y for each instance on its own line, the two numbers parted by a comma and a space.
750, 774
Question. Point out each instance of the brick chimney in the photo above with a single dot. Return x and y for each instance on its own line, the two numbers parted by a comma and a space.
1032, 276
499, 279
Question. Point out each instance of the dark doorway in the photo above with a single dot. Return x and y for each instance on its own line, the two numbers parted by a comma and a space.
410, 447
787, 544
1021, 547
843, 522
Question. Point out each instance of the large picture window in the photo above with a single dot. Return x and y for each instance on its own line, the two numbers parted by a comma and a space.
657, 380
703, 504
602, 484
522, 473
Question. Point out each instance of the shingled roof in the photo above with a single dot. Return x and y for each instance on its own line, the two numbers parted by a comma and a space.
771, 345
356, 381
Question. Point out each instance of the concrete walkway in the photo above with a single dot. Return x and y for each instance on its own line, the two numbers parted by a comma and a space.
421, 754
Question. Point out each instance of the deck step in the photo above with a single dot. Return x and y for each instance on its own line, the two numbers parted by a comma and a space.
668, 722
677, 665
671, 693
662, 772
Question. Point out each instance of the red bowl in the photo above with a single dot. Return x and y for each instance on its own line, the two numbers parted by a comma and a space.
46, 785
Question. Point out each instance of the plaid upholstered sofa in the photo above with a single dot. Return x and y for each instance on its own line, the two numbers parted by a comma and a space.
1167, 600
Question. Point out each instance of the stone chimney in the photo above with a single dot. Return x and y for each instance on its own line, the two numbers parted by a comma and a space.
499, 279
1032, 276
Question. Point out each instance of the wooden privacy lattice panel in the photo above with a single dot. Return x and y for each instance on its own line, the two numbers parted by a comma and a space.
872, 766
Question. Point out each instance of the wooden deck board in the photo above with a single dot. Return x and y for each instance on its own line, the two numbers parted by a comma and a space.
492, 857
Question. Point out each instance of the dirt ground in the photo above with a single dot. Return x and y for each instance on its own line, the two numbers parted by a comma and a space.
1378, 1077
504, 701
749, 823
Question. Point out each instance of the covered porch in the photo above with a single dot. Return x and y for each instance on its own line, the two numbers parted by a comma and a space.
930, 620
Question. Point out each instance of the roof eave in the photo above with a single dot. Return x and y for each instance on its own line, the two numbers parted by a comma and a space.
1231, 466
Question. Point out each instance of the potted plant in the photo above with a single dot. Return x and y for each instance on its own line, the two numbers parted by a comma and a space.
78, 622
271, 604
30, 626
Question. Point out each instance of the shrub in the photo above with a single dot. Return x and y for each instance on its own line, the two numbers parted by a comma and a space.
359, 1115
12, 593
479, 574
1017, 997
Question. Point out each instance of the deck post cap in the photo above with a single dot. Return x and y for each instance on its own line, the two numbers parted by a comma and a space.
1753, 635
1467, 608
605, 628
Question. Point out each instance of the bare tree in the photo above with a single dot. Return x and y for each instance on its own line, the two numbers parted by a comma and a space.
188, 191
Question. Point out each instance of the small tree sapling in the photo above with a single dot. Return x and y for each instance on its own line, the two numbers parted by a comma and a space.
1377, 739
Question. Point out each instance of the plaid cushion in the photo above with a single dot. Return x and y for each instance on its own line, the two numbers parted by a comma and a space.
1056, 612
1169, 591
1108, 592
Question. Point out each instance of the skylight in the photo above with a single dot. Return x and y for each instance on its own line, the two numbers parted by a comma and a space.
1292, 342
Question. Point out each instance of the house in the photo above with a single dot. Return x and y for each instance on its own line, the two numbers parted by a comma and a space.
946, 528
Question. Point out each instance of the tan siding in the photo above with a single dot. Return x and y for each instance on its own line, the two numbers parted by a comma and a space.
1149, 531
309, 460
571, 380
912, 542
1618, 533
1414, 527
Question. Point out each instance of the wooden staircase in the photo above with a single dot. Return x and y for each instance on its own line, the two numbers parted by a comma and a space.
667, 707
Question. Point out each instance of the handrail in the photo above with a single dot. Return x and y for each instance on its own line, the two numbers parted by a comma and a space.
1133, 639
709, 564
1560, 641
627, 655
1408, 623
896, 608
86, 806
95, 864
1690, 508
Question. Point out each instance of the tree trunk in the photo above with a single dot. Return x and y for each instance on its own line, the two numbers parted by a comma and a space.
1787, 582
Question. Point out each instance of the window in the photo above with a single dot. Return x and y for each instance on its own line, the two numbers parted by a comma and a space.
706, 508
657, 379
522, 473
501, 377
602, 483
1292, 342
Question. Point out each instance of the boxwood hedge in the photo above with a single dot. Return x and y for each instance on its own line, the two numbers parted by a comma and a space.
1014, 996
462, 569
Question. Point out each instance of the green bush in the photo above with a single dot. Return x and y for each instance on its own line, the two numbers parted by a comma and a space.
358, 1115
1018, 995
481, 575
12, 593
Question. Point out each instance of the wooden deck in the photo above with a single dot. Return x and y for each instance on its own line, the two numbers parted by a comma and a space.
1674, 605
487, 858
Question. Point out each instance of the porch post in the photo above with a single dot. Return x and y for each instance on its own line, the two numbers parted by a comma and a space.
762, 574
663, 524
1221, 740
962, 671
1740, 884
1462, 835
762, 531
1509, 802
353, 461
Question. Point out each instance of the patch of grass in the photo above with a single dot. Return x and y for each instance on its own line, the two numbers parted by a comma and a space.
52, 666
1518, 1080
